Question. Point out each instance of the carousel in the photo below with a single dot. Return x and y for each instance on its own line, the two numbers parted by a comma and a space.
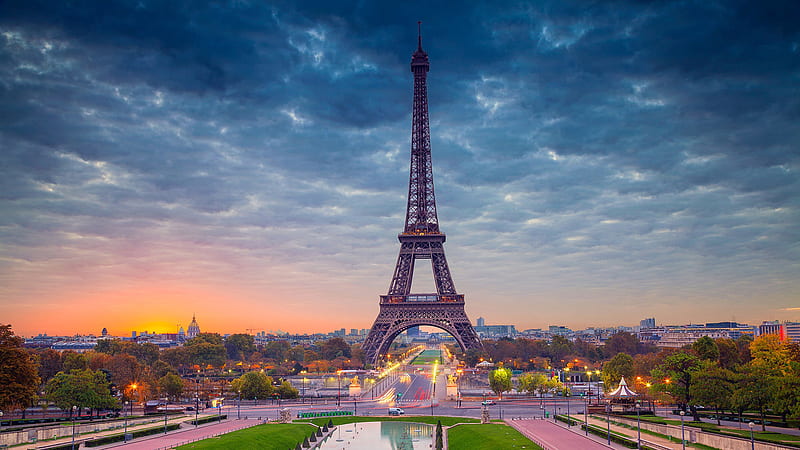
624, 400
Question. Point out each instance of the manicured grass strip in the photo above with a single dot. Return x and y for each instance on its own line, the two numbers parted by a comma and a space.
431, 420
277, 436
428, 357
486, 436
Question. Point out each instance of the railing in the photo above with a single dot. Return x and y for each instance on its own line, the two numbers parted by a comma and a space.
423, 298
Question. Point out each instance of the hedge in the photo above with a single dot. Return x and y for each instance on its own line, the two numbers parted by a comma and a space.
208, 419
135, 434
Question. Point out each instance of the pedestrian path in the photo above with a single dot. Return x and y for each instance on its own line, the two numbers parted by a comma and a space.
185, 436
660, 441
550, 436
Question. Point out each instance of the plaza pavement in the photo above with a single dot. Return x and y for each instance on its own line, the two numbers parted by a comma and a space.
185, 435
550, 436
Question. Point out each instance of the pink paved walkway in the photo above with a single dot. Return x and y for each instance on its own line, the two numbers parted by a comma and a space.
185, 435
553, 437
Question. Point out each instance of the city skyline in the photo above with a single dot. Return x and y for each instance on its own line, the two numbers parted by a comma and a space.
594, 165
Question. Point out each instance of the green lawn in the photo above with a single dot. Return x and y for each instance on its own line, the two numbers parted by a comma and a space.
278, 436
486, 436
428, 357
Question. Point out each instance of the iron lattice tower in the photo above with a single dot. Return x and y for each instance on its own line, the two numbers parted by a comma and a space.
420, 239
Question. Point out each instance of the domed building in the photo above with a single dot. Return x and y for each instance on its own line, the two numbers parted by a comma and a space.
194, 328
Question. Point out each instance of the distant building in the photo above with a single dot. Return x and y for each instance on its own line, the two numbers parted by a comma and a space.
560, 330
481, 322
413, 332
194, 328
647, 323
676, 336
792, 331
104, 332
786, 331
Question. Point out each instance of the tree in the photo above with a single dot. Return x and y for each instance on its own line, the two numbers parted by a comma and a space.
286, 390
335, 347
208, 338
49, 363
729, 356
621, 342
559, 348
277, 350
532, 383
500, 381
75, 361
19, 375
253, 385
621, 365
770, 355
171, 385
674, 376
786, 396
706, 348
240, 346
754, 389
83, 388
203, 353
712, 386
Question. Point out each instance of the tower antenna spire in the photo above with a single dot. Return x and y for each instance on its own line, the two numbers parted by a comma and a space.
419, 34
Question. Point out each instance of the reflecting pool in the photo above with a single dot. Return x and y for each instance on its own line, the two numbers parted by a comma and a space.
381, 435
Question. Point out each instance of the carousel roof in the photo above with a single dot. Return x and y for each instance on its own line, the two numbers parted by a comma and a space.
622, 391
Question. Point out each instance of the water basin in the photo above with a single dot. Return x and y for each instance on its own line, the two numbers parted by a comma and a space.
380, 435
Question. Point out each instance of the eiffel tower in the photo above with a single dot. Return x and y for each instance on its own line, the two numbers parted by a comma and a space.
421, 239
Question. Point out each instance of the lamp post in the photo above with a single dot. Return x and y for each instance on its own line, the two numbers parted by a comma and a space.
339, 390
585, 416
125, 433
74, 408
608, 423
638, 426
569, 421
683, 440
752, 441
239, 405
196, 409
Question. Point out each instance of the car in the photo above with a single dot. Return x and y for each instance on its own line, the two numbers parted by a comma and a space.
487, 402
396, 411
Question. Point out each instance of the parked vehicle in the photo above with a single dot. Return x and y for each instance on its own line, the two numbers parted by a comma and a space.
396, 411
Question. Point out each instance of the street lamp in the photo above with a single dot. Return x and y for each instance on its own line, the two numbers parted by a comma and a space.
608, 422
569, 421
585, 416
125, 408
196, 409
683, 441
74, 408
339, 391
638, 425
239, 405
752, 441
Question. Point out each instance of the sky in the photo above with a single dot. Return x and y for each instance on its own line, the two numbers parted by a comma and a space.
595, 162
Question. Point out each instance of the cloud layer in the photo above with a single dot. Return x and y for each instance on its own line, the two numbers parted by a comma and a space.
595, 164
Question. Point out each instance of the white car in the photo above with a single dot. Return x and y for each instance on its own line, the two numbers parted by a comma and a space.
396, 411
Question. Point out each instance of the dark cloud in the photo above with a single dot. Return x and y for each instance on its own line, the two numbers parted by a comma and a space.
573, 143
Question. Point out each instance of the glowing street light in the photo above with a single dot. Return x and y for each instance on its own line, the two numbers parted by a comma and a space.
683, 440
